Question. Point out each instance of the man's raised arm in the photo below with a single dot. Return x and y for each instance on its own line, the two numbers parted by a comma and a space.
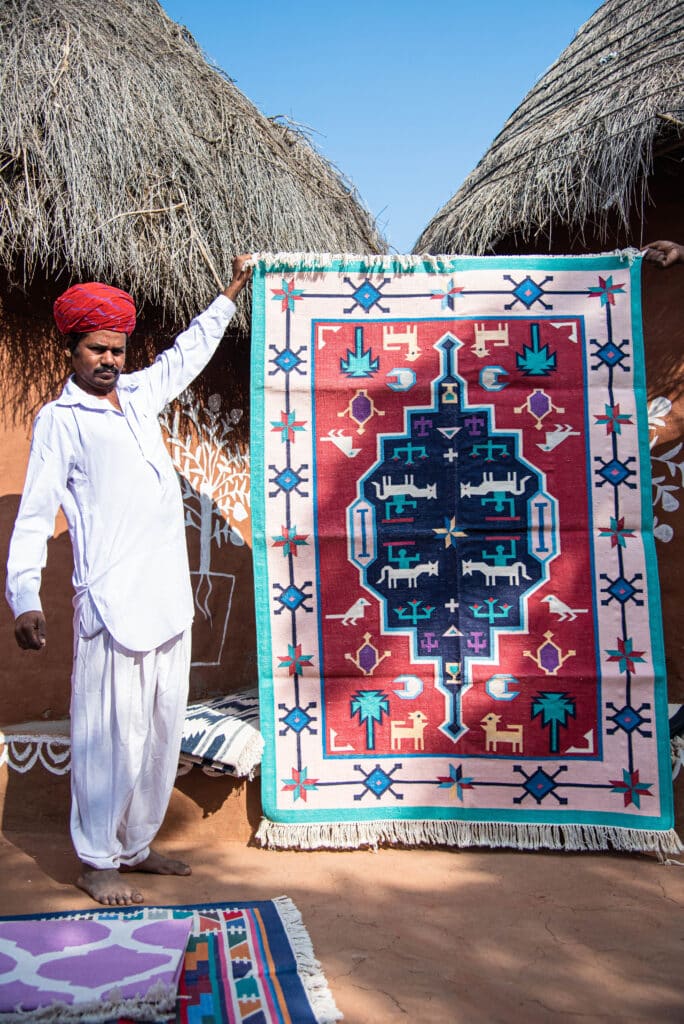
241, 276
176, 368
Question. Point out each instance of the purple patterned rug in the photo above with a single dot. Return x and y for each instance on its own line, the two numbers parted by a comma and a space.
90, 969
245, 963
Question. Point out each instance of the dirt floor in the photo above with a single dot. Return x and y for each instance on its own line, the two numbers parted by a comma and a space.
428, 935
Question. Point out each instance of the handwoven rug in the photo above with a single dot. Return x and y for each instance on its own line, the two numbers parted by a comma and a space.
246, 963
95, 969
222, 735
457, 598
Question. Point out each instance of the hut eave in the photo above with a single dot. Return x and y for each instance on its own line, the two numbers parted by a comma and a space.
580, 147
149, 168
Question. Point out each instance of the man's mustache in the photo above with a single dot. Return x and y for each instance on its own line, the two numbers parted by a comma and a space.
107, 370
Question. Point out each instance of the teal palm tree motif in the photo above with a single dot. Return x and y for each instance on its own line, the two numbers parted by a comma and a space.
536, 360
370, 706
360, 362
555, 709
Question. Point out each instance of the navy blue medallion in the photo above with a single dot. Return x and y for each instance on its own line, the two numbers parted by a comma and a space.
452, 530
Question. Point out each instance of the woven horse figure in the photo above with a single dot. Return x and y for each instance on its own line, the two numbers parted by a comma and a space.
391, 574
492, 573
488, 485
390, 489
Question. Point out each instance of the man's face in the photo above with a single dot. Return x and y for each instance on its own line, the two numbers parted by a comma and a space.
97, 361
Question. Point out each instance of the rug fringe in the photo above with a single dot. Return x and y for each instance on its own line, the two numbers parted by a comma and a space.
523, 836
157, 1006
308, 967
379, 263
249, 759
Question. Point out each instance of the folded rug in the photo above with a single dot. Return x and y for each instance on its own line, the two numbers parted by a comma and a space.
246, 963
457, 597
223, 735
88, 970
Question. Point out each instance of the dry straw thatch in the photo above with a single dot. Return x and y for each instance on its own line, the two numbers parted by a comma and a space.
580, 147
125, 156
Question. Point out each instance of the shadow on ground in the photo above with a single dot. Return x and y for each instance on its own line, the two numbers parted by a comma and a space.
430, 935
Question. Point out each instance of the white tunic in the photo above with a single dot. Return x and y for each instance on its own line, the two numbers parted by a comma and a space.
113, 476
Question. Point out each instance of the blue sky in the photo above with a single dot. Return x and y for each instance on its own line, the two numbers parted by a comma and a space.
404, 98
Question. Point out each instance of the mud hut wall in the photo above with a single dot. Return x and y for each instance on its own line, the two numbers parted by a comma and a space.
206, 434
177, 173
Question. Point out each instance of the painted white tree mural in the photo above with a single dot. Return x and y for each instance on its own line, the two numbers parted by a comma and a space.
215, 481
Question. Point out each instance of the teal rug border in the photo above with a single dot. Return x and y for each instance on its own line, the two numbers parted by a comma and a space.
259, 548
440, 264
651, 558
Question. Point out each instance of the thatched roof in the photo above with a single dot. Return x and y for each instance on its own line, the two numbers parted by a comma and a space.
579, 148
126, 157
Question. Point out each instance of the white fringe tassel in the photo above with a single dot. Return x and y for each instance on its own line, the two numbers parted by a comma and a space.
374, 263
158, 1005
352, 835
380, 263
308, 967
248, 760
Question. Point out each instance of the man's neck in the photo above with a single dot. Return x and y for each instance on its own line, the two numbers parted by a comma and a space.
111, 396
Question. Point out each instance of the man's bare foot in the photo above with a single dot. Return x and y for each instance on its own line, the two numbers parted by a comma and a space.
157, 864
107, 886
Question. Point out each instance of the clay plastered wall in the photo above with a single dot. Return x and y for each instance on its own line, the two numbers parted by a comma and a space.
214, 472
33, 685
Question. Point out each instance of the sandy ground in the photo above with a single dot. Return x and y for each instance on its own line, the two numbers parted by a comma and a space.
428, 935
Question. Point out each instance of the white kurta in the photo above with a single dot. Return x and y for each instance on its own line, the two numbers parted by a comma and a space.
112, 474
114, 478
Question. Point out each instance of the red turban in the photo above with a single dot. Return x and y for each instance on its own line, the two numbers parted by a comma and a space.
94, 307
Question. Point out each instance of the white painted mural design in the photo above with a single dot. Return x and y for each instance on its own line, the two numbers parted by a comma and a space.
667, 470
215, 484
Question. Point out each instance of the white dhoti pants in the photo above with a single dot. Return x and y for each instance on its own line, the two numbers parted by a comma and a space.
127, 714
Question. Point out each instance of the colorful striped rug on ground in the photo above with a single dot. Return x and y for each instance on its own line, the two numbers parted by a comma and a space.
245, 963
457, 597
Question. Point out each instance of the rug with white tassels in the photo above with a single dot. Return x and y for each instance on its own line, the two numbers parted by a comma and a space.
457, 595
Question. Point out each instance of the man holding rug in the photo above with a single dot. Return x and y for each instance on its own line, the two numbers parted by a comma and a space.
98, 452
663, 253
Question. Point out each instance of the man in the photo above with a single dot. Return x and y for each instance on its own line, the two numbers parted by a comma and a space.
98, 452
